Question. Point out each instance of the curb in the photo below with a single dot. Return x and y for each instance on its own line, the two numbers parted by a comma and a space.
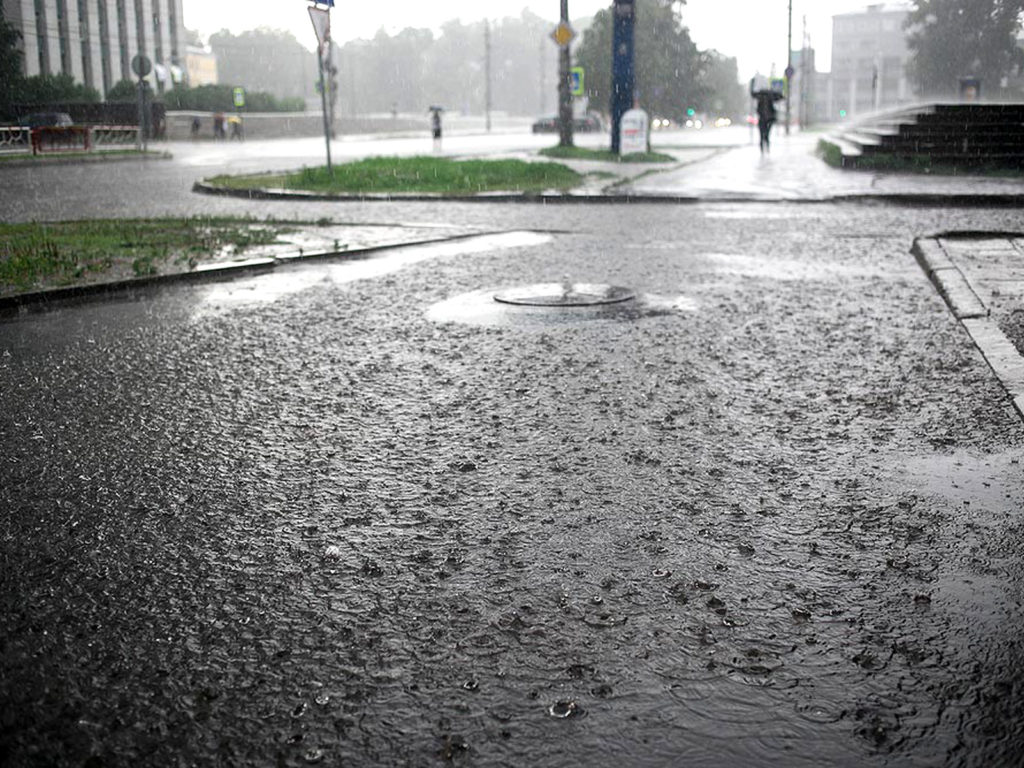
210, 272
257, 193
555, 198
995, 347
87, 160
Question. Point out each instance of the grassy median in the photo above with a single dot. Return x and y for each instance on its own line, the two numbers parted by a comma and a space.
412, 175
605, 155
40, 255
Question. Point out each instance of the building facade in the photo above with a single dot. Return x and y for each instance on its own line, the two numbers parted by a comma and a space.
869, 60
94, 41
200, 66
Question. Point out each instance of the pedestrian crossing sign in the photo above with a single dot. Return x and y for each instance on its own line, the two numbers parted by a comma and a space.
576, 81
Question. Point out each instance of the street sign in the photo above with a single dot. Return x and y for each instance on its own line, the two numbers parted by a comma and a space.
563, 34
576, 81
239, 96
321, 18
141, 65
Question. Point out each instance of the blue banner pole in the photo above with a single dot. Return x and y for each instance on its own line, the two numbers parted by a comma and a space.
623, 70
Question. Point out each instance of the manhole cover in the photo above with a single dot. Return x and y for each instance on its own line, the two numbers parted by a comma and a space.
565, 295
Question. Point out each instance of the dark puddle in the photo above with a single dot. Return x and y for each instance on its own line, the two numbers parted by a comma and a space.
492, 307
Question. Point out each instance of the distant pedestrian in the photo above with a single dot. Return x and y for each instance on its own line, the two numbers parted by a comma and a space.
766, 116
218, 125
196, 127
435, 125
236, 128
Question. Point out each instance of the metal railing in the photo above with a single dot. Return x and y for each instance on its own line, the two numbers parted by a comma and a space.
114, 135
14, 137
17, 139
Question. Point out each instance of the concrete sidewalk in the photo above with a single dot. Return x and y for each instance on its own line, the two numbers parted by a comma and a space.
981, 277
792, 171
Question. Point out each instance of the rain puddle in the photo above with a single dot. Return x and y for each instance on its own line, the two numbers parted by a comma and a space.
967, 479
983, 496
491, 307
749, 213
288, 281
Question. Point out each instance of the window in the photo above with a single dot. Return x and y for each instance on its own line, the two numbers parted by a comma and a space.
62, 36
42, 39
83, 34
122, 40
104, 25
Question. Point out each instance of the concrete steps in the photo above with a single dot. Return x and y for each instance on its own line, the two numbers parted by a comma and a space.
955, 135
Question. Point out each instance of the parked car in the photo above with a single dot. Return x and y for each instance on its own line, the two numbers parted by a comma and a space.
545, 125
47, 120
585, 124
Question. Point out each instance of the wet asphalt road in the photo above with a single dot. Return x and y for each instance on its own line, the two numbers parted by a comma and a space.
359, 514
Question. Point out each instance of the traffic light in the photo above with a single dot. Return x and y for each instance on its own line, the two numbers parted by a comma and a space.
690, 112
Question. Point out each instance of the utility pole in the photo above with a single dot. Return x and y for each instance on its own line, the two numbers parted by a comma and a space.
789, 62
487, 73
564, 96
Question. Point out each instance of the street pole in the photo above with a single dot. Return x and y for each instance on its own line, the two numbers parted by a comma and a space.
564, 95
789, 62
321, 18
487, 72
323, 104
332, 81
140, 141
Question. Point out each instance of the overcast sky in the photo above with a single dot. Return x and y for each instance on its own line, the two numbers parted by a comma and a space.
754, 31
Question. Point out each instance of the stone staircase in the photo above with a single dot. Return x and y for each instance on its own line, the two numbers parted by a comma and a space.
969, 136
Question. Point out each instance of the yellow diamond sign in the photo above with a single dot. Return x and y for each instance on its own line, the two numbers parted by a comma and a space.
563, 34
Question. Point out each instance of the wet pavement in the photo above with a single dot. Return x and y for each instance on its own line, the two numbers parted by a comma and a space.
792, 171
981, 277
765, 511
359, 513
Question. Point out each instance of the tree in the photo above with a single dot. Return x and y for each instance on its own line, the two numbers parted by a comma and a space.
950, 39
123, 91
669, 68
53, 89
11, 63
265, 60
720, 76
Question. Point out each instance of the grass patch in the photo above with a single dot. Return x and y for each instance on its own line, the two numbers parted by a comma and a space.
417, 175
604, 155
920, 164
38, 255
830, 153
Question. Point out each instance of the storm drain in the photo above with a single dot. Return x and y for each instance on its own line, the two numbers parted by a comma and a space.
565, 294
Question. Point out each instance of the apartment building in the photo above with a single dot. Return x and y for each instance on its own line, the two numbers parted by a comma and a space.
869, 60
94, 40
